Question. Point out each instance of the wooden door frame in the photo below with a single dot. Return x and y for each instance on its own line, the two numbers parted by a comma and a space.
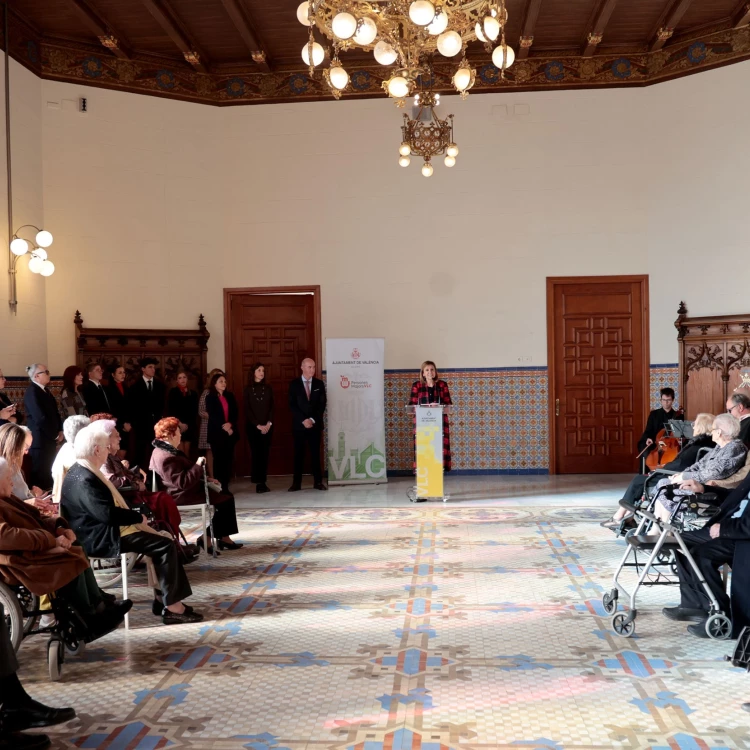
230, 293
553, 281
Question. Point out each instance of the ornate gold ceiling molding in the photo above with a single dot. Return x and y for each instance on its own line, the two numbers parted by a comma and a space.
83, 64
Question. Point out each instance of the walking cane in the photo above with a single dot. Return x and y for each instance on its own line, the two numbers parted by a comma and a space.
208, 510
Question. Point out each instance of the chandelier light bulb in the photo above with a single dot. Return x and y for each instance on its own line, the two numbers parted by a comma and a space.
302, 13
367, 32
35, 264
491, 27
501, 51
452, 150
449, 43
19, 246
344, 25
450, 161
48, 268
462, 79
398, 87
422, 12
338, 77
43, 238
404, 161
318, 54
404, 149
427, 169
439, 25
384, 53
480, 33
40, 252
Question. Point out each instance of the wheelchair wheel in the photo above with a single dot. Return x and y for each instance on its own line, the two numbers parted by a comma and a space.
623, 625
55, 657
13, 615
29, 603
108, 570
719, 627
609, 601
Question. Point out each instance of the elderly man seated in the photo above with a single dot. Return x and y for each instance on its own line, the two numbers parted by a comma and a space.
719, 463
107, 527
725, 540
65, 457
37, 552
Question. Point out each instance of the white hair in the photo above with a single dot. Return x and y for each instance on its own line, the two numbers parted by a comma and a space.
88, 439
107, 426
4, 467
31, 370
73, 425
26, 429
728, 424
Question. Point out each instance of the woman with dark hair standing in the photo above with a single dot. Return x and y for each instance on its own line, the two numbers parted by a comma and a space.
222, 428
429, 390
259, 424
71, 401
204, 449
182, 403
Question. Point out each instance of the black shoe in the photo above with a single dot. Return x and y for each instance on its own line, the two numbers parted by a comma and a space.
294, 488
320, 486
698, 629
188, 616
157, 608
108, 598
229, 545
120, 608
746, 707
16, 741
684, 614
262, 487
34, 715
210, 550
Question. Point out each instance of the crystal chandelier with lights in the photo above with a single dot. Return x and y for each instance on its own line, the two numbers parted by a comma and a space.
404, 34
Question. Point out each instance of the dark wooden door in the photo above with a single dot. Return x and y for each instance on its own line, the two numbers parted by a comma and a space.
279, 330
598, 372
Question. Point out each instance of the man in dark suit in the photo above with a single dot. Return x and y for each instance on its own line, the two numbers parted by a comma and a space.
145, 407
724, 539
307, 402
43, 419
738, 405
658, 418
93, 391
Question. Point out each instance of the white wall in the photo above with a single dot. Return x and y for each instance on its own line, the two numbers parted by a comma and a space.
158, 205
23, 336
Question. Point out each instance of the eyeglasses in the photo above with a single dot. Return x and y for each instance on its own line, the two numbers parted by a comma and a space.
41, 372
732, 408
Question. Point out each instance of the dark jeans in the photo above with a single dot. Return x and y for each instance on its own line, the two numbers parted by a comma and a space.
8, 662
83, 593
42, 455
260, 446
709, 557
634, 492
307, 439
165, 556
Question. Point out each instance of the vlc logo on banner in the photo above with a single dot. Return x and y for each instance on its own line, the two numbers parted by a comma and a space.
429, 451
356, 411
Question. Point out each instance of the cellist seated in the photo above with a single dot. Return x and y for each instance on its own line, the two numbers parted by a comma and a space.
658, 418
685, 458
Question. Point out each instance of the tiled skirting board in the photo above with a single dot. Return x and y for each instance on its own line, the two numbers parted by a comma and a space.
499, 425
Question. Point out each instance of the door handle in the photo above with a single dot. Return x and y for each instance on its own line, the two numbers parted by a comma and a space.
557, 407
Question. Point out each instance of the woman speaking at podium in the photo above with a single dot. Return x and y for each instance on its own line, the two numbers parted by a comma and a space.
429, 390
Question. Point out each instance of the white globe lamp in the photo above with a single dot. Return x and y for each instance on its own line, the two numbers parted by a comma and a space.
404, 161
48, 268
404, 149
344, 25
318, 53
427, 170
491, 27
503, 53
19, 246
449, 43
439, 25
450, 161
452, 150
422, 12
384, 53
35, 264
338, 77
302, 13
462, 79
43, 238
398, 87
367, 32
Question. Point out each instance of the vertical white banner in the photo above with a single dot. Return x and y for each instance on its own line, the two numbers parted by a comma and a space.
356, 411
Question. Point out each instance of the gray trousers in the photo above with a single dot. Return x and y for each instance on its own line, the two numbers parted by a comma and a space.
8, 662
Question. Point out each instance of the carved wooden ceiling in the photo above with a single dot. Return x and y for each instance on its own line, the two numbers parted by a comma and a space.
248, 51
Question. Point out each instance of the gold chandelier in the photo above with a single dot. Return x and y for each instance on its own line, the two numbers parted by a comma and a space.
404, 33
426, 135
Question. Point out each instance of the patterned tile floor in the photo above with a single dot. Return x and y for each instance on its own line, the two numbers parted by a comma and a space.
422, 627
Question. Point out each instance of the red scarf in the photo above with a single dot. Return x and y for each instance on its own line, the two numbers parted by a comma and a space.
224, 405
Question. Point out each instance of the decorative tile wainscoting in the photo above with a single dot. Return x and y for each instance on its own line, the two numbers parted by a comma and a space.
499, 423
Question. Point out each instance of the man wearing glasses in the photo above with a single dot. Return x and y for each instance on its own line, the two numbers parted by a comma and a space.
738, 405
658, 418
43, 419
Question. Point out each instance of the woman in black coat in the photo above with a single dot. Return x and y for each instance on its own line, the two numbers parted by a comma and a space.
259, 424
116, 396
223, 431
182, 403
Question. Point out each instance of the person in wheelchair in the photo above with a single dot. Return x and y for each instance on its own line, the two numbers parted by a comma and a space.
725, 539
107, 527
18, 710
38, 552
685, 458
724, 460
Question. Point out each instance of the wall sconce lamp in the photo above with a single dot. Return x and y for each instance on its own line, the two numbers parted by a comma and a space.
36, 249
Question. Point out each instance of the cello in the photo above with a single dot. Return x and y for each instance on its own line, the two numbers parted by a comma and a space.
666, 448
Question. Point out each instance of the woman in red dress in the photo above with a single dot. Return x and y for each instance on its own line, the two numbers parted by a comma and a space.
429, 389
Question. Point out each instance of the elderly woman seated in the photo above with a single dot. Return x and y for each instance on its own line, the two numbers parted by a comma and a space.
107, 527
685, 458
721, 462
39, 553
15, 441
66, 456
183, 480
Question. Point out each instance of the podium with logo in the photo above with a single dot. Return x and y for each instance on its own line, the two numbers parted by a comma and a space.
429, 446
